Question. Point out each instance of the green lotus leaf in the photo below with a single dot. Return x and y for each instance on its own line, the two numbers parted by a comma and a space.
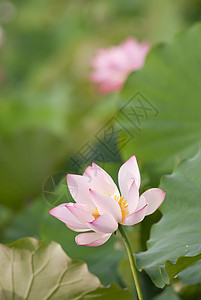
32, 269
175, 241
161, 105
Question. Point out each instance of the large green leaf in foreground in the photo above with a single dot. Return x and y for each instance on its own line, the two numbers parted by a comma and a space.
164, 113
32, 269
175, 241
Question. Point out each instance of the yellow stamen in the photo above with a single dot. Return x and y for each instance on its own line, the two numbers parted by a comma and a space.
96, 213
123, 205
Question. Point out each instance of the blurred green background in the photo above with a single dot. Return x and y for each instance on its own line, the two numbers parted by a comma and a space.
49, 111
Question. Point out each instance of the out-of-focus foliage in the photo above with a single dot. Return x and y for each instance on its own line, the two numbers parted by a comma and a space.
48, 107
167, 294
192, 274
165, 116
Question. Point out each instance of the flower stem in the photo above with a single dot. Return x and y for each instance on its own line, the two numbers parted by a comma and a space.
132, 262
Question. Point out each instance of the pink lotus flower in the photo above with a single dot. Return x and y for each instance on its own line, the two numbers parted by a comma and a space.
113, 65
100, 207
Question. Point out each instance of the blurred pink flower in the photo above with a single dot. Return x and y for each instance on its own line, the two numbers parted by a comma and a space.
100, 207
113, 65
